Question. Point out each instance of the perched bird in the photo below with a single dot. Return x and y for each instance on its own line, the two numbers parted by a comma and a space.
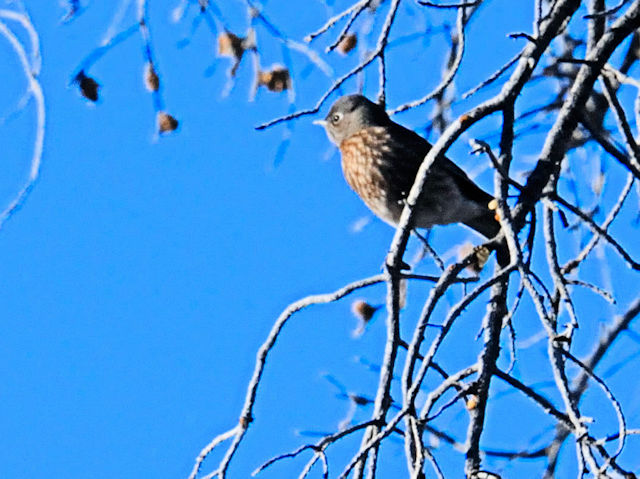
380, 160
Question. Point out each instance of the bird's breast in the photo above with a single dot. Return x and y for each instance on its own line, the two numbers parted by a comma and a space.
365, 158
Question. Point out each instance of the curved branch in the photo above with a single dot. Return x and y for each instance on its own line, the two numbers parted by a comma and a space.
38, 95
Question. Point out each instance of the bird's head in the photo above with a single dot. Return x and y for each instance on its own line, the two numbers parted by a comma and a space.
350, 114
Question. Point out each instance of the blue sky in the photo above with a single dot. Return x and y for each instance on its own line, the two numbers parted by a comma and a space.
142, 274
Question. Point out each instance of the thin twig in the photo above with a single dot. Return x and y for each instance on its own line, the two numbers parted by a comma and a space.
246, 416
458, 46
335, 19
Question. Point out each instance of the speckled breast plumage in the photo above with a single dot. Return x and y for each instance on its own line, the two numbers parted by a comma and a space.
380, 163
365, 164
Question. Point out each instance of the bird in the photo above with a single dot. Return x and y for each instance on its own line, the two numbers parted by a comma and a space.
380, 160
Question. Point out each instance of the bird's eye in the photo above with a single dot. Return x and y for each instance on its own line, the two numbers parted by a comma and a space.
336, 118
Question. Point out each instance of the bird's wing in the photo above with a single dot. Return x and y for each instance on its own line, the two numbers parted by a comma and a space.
416, 150
443, 175
467, 187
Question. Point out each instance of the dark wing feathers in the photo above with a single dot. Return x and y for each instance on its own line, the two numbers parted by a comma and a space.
468, 188
415, 148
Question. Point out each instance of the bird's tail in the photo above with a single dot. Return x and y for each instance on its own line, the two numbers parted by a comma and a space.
486, 224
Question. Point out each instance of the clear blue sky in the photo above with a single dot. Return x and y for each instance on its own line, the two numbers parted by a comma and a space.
141, 275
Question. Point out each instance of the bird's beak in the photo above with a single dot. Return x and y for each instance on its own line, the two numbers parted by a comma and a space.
322, 123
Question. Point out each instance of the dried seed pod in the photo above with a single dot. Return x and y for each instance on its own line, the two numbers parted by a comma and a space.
277, 79
233, 46
88, 86
348, 43
166, 122
151, 78
363, 310
230, 45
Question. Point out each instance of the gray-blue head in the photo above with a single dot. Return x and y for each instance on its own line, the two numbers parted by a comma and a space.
350, 114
